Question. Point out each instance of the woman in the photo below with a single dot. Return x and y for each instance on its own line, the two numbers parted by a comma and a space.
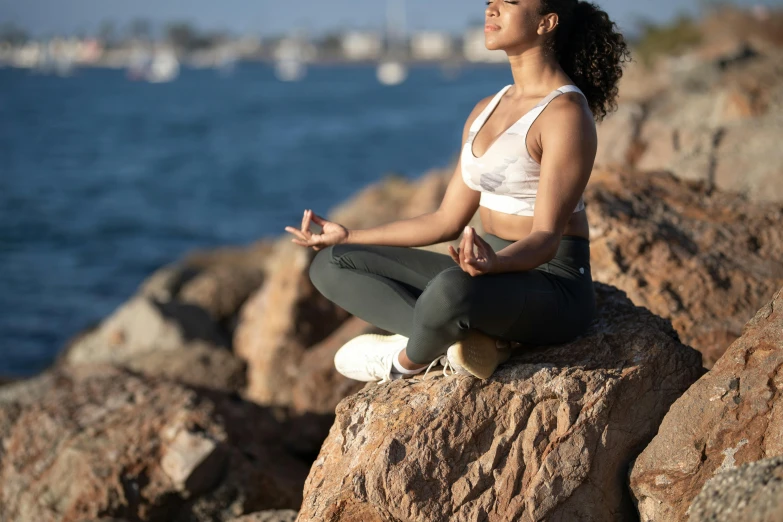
526, 158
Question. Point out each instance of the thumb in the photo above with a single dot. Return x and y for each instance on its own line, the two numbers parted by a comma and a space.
318, 219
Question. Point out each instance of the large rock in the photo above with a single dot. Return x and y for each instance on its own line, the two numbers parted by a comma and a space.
732, 415
752, 492
712, 118
393, 198
280, 322
166, 338
318, 388
181, 320
548, 437
218, 281
705, 259
94, 441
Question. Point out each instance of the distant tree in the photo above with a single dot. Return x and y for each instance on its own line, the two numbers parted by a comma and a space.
185, 37
666, 39
140, 29
331, 42
13, 34
107, 32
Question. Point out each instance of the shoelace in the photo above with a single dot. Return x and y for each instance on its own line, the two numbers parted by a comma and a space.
386, 362
446, 366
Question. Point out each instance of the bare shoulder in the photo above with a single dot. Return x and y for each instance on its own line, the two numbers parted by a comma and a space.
570, 108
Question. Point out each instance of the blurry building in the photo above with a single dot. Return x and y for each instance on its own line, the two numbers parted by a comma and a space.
475, 49
431, 45
294, 47
361, 45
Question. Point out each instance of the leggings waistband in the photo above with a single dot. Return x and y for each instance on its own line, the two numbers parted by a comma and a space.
573, 253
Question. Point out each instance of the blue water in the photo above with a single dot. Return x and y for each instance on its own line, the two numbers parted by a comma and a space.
103, 180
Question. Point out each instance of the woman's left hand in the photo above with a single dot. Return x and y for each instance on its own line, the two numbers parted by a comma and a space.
480, 263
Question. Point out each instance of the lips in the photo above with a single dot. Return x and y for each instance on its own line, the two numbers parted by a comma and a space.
491, 27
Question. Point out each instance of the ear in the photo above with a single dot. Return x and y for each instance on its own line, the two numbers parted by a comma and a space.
548, 23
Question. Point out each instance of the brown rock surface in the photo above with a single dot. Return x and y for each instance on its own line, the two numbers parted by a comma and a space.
548, 437
714, 121
172, 339
280, 322
278, 515
314, 395
94, 441
706, 260
752, 492
391, 199
732, 415
218, 281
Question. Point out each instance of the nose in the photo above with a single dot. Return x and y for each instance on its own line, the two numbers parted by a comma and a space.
491, 9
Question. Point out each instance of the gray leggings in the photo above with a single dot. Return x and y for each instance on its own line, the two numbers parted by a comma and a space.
428, 298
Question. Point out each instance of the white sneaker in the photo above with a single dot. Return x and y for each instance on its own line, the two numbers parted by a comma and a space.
369, 357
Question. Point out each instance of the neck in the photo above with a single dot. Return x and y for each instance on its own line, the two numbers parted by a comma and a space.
534, 71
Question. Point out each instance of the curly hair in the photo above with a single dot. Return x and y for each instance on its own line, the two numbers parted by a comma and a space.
590, 49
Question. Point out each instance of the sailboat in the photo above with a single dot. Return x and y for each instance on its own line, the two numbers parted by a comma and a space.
392, 69
163, 68
290, 59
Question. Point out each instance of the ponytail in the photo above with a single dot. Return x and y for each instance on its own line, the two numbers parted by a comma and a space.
590, 49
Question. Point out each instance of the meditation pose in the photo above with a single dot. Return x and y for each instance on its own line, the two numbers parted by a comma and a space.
527, 154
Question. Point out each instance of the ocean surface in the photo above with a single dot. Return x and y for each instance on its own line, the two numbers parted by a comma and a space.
103, 179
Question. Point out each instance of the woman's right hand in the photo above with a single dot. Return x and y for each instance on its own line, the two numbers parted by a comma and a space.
332, 234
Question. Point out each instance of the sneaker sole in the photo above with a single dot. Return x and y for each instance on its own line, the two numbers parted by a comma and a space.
478, 354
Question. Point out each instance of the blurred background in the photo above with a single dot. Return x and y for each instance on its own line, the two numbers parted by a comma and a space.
132, 133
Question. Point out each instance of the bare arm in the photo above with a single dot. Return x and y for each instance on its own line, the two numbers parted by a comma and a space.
569, 142
444, 224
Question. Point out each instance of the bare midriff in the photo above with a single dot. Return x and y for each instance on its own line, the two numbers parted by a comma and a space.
514, 228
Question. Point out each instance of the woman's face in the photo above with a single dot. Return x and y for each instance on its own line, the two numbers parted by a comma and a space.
514, 23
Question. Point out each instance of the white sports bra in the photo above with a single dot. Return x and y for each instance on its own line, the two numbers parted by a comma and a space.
507, 175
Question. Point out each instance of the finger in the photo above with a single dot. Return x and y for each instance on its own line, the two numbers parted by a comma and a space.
462, 244
318, 220
306, 221
469, 245
482, 243
454, 254
298, 233
482, 249
316, 239
476, 264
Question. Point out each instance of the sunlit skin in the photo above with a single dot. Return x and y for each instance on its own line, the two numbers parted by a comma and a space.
563, 140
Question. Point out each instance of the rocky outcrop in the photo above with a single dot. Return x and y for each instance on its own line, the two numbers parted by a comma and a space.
180, 323
751, 492
218, 281
319, 388
280, 322
393, 198
732, 415
707, 120
549, 437
165, 338
92, 441
706, 260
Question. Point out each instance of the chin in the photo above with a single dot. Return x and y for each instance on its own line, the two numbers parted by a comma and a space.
492, 44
